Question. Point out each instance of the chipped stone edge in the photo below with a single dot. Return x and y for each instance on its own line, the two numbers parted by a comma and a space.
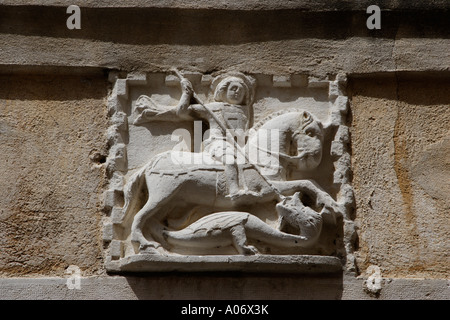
117, 160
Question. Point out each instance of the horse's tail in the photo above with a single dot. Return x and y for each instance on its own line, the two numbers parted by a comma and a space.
131, 193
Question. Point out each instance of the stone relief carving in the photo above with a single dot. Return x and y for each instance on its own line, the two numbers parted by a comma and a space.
278, 186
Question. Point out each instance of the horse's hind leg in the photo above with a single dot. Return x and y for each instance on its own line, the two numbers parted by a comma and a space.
137, 236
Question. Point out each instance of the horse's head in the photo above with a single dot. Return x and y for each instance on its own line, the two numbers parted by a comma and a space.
306, 142
290, 140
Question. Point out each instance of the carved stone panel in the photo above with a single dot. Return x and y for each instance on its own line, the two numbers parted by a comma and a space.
228, 171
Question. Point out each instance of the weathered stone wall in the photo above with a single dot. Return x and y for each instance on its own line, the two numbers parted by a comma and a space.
52, 138
400, 143
278, 39
54, 92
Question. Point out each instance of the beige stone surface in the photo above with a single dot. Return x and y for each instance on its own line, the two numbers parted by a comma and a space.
52, 135
401, 152
326, 40
224, 287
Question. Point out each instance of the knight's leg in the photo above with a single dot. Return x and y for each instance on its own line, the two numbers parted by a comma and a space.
231, 172
237, 187
240, 241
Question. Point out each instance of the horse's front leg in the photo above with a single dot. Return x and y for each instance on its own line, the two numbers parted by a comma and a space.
311, 188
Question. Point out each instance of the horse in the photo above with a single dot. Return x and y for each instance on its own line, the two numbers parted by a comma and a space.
170, 181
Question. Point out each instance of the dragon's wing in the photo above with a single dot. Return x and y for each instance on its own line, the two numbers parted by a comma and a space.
219, 220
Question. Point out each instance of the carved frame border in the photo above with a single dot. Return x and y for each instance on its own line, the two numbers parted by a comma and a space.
116, 167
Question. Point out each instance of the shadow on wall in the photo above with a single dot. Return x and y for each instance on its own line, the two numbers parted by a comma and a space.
234, 286
206, 27
416, 88
52, 87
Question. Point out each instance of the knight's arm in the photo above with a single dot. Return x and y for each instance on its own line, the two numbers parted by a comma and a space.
184, 109
149, 111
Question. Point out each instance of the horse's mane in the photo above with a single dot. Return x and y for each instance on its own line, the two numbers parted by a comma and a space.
271, 116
